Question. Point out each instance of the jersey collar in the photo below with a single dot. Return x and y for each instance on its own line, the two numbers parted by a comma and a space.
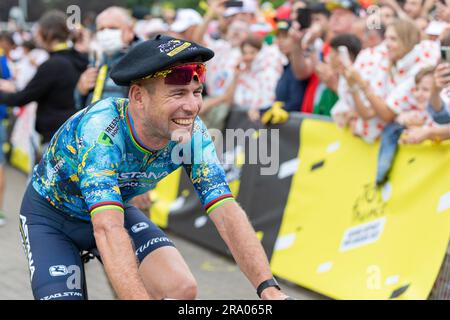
134, 137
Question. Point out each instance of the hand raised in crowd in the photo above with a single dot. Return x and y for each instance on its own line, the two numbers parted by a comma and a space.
353, 77
87, 80
7, 86
216, 8
254, 115
296, 33
442, 76
442, 11
411, 119
415, 135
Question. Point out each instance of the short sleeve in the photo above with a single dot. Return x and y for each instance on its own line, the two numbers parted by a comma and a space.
205, 171
100, 153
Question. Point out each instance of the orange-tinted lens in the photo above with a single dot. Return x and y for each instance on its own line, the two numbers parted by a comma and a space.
182, 75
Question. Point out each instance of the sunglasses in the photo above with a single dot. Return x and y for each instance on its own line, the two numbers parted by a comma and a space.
182, 74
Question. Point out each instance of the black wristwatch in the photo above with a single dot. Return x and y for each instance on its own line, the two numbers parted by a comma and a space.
266, 284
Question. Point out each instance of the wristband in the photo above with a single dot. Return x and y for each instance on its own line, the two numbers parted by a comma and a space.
266, 284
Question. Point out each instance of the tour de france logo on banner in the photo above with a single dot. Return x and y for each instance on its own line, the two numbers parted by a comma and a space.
368, 218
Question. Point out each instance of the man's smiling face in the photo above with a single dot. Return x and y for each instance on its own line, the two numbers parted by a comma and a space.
170, 109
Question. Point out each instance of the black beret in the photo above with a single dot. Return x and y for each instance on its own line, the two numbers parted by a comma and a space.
157, 54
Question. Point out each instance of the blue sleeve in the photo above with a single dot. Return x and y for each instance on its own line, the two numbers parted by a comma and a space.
441, 117
295, 96
5, 73
205, 171
99, 158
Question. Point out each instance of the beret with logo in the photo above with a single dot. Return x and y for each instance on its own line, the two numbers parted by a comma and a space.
154, 55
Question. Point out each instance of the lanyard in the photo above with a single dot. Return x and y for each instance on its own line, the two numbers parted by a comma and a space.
60, 47
100, 84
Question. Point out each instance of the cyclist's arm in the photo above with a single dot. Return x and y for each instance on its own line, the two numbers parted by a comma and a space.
240, 237
117, 255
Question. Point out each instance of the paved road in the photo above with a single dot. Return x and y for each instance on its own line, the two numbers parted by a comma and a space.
218, 277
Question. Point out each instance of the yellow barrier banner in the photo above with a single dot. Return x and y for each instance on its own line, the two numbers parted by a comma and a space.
347, 239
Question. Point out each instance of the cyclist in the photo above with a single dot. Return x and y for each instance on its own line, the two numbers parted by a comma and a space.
114, 150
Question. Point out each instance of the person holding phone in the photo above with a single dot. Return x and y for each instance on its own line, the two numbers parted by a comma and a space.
308, 60
439, 105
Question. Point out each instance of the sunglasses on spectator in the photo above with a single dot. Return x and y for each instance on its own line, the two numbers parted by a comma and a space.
182, 74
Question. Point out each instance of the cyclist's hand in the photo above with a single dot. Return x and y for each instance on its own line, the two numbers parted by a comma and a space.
273, 294
142, 201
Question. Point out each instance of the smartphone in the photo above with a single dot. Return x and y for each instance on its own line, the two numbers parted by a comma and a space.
234, 4
304, 17
445, 54
345, 56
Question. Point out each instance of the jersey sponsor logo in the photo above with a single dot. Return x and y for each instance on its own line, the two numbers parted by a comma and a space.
152, 242
138, 227
62, 295
73, 271
136, 184
56, 167
58, 271
139, 175
113, 127
26, 245
104, 139
216, 186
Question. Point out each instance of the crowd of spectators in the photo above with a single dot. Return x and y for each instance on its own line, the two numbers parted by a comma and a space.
379, 68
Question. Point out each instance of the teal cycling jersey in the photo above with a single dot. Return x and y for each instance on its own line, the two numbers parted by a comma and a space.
96, 161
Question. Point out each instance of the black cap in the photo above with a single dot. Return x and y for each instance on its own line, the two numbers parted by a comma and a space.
157, 54
283, 25
319, 8
351, 5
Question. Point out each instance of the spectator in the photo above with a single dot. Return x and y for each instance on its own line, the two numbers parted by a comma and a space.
439, 106
392, 92
320, 16
308, 61
186, 21
413, 8
387, 14
6, 44
416, 117
221, 69
443, 11
343, 16
255, 87
114, 37
148, 29
246, 13
289, 89
373, 37
337, 62
51, 88
26, 67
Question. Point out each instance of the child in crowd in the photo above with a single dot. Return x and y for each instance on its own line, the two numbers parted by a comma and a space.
417, 116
